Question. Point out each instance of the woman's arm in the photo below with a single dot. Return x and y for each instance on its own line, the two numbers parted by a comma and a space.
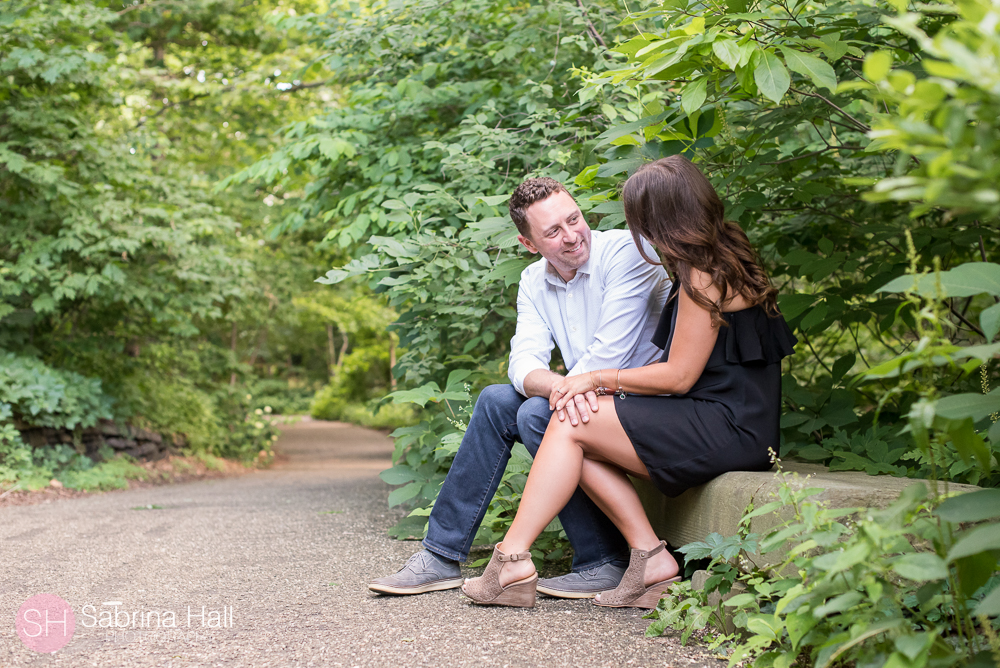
694, 338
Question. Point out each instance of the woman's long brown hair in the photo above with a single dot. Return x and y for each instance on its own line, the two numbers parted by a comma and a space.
671, 204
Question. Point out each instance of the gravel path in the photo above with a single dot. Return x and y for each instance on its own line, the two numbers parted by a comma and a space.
282, 558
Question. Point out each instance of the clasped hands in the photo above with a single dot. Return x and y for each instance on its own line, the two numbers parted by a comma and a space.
572, 396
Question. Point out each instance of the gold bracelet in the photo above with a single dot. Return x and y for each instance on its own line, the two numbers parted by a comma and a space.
618, 382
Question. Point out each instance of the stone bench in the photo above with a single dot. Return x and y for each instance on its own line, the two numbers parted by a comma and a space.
717, 506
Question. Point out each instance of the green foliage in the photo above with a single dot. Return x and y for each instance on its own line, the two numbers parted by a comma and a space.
280, 396
113, 473
117, 260
904, 586
47, 397
31, 392
371, 415
778, 104
250, 432
177, 406
444, 108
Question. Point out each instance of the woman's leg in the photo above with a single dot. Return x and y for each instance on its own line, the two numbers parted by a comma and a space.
596, 455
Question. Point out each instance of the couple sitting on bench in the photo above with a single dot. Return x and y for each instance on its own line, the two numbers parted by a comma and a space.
675, 383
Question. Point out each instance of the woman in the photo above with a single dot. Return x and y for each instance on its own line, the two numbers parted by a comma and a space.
710, 406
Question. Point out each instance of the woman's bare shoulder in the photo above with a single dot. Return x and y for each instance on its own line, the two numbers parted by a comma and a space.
701, 282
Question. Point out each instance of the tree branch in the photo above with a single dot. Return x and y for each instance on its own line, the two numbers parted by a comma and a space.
857, 124
809, 155
169, 106
590, 26
966, 321
315, 84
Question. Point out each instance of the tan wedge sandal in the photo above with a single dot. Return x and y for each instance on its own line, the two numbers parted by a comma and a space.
486, 590
632, 592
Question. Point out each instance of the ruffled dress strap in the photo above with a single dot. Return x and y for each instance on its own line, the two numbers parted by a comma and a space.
754, 337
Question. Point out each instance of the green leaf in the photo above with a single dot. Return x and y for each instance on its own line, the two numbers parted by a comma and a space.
419, 396
398, 475
693, 95
838, 604
402, 494
990, 605
877, 65
968, 443
913, 646
967, 280
793, 305
921, 567
969, 405
494, 200
618, 131
509, 270
771, 76
740, 600
762, 627
818, 71
978, 540
727, 51
989, 321
971, 507
842, 366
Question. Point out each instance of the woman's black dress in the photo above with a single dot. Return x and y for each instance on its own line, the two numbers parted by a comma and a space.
729, 419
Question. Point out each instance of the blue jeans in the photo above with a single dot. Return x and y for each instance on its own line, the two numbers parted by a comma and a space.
501, 417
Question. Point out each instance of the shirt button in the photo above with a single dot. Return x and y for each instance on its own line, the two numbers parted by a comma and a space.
571, 295
573, 329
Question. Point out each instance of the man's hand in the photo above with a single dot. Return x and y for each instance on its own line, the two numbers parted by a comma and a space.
572, 397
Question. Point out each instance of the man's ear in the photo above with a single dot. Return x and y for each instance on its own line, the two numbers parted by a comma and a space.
526, 242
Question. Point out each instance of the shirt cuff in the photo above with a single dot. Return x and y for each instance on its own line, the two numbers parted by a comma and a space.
518, 374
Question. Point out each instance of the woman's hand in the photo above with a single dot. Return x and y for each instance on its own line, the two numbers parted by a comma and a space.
572, 396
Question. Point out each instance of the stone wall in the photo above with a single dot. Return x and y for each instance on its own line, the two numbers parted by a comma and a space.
124, 438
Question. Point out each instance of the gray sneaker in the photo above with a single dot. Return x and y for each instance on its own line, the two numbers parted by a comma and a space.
423, 572
585, 584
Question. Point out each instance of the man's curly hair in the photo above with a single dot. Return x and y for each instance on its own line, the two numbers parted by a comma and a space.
526, 194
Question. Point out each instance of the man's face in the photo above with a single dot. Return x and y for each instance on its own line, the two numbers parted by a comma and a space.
559, 232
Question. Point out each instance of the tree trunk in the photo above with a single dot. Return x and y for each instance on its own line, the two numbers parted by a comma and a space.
333, 354
260, 342
232, 346
392, 362
343, 351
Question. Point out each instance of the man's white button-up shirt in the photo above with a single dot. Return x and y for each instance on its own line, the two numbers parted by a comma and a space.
602, 319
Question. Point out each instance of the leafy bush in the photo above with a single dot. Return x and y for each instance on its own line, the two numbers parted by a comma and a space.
176, 406
45, 397
285, 397
376, 416
805, 117
33, 394
850, 584
249, 432
354, 394
113, 473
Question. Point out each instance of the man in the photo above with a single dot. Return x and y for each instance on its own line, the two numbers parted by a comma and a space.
594, 297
